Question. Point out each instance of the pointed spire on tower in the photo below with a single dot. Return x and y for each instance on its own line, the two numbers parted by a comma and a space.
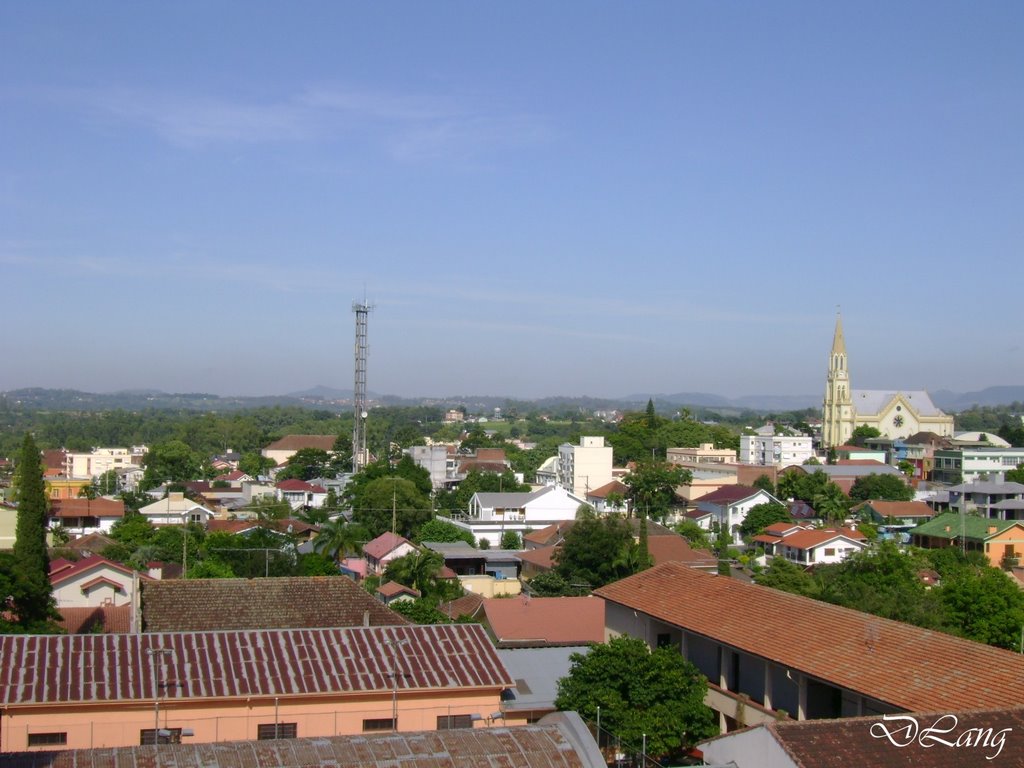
838, 342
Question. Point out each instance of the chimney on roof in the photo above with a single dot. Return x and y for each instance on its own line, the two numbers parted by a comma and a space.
947, 529
991, 529
366, 618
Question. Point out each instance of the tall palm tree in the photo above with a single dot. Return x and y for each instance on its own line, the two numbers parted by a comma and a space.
831, 503
338, 539
418, 570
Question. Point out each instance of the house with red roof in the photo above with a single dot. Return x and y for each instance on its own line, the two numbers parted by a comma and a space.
617, 490
769, 654
91, 582
821, 546
300, 495
84, 516
382, 550
544, 621
80, 691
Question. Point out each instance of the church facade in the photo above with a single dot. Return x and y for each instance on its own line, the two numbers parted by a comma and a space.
894, 413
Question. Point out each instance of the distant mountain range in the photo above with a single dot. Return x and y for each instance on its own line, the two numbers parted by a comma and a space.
328, 397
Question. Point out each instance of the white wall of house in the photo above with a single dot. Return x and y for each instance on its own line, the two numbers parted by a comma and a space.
775, 450
828, 553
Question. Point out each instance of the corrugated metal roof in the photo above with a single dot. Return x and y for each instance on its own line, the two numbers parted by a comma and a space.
292, 662
554, 745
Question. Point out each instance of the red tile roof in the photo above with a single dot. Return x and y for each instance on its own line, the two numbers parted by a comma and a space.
613, 487
111, 619
298, 442
393, 589
540, 558
857, 651
861, 741
280, 603
550, 534
817, 537
299, 485
666, 549
86, 508
901, 508
384, 544
729, 494
72, 669
546, 620
86, 564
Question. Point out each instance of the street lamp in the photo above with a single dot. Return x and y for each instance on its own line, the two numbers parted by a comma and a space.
153, 653
394, 645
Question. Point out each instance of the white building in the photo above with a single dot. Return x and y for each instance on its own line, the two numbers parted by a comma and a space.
492, 514
765, 448
176, 510
728, 507
79, 466
586, 466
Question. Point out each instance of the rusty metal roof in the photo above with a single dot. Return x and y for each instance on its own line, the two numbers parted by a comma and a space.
52, 669
561, 743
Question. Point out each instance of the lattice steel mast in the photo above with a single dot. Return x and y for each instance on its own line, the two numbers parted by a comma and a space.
359, 455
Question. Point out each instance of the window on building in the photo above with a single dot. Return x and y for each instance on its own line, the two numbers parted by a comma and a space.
830, 552
47, 739
451, 722
378, 724
279, 731
165, 736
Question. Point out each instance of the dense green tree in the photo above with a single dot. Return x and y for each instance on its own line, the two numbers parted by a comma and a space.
511, 540
1015, 475
307, 463
652, 487
317, 564
255, 464
862, 434
590, 552
444, 531
761, 516
391, 500
881, 488
420, 611
33, 605
985, 605
658, 695
693, 533
550, 584
211, 568
169, 462
789, 577
765, 484
883, 581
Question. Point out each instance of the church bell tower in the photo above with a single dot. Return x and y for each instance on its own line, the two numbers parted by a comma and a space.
837, 413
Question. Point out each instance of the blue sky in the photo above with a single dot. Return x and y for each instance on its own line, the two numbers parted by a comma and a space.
538, 198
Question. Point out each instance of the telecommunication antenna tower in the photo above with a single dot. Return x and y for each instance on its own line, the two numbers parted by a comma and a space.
359, 455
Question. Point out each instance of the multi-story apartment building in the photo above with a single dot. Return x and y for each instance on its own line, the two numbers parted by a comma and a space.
706, 453
765, 448
81, 466
584, 467
968, 464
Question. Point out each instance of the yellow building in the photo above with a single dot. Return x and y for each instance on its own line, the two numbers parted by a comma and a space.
894, 413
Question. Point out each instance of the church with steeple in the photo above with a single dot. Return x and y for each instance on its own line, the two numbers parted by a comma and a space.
894, 413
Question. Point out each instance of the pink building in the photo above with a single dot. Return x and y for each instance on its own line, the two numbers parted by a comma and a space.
88, 691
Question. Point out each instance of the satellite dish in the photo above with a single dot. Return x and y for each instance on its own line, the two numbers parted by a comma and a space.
365, 414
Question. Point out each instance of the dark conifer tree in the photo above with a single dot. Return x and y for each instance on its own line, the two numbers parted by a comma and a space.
35, 606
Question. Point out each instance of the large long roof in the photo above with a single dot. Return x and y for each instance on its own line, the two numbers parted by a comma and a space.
872, 401
294, 602
559, 741
71, 669
906, 666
